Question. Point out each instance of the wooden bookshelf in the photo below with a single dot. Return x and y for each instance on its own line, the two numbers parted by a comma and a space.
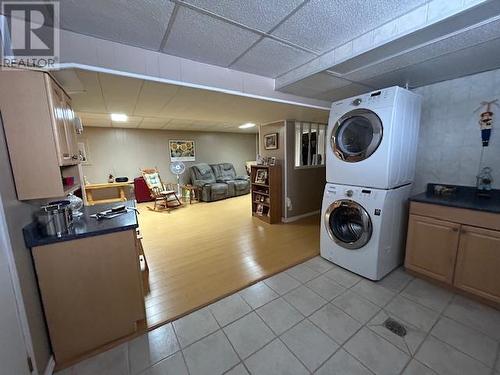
266, 193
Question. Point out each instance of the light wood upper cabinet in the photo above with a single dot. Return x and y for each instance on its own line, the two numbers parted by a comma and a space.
431, 247
40, 134
62, 123
478, 262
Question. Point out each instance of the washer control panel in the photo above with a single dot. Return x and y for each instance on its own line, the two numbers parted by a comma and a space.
351, 192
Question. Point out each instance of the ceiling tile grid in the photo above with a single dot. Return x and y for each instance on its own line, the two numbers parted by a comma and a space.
262, 15
154, 105
206, 39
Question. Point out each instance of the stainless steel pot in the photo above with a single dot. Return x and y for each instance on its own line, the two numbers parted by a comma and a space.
55, 219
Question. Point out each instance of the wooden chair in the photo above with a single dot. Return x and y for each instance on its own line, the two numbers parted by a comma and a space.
164, 195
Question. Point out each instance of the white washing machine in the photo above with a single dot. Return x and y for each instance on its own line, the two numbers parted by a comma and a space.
363, 229
372, 139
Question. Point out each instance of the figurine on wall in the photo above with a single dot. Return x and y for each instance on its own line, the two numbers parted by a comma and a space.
486, 121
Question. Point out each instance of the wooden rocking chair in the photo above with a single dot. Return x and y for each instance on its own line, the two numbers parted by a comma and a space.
164, 195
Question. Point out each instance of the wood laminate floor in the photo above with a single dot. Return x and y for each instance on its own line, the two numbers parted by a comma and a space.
202, 252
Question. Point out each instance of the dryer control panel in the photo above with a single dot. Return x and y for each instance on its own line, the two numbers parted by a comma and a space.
379, 98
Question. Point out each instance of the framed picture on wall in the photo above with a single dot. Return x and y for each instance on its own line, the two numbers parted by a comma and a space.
271, 141
181, 150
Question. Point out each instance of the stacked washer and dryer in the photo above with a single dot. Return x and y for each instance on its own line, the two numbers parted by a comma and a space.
370, 165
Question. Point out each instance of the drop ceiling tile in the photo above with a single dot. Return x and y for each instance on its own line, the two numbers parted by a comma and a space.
442, 8
202, 38
323, 25
90, 99
132, 122
271, 58
153, 123
120, 93
95, 119
177, 124
139, 23
153, 97
258, 14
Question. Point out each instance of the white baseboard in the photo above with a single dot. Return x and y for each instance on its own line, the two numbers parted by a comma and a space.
298, 217
49, 370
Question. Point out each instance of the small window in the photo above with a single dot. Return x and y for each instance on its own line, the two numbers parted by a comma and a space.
310, 139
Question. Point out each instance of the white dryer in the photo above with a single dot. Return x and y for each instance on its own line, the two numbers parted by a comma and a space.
372, 139
363, 229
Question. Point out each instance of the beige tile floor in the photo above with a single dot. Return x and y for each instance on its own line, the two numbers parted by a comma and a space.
318, 318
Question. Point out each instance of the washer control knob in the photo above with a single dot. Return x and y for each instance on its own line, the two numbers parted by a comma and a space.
356, 102
349, 193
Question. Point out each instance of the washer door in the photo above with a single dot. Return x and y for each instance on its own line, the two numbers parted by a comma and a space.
348, 224
356, 135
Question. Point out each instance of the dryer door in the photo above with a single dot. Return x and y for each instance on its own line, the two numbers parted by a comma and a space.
348, 224
356, 135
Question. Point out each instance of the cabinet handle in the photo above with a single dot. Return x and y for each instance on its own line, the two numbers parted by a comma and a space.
463, 231
454, 229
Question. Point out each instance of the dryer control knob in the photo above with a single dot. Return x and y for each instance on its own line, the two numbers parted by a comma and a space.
349, 193
356, 102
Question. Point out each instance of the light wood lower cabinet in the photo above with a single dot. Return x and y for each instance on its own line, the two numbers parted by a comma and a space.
478, 262
431, 247
91, 291
448, 245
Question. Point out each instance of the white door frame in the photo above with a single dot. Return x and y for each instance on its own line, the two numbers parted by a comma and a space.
21, 311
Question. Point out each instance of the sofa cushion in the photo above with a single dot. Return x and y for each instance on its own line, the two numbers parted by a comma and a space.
203, 172
224, 171
241, 185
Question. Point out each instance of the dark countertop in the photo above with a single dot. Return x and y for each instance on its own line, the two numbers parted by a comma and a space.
85, 226
464, 197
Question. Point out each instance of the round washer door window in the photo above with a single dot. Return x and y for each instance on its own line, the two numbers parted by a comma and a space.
356, 135
348, 224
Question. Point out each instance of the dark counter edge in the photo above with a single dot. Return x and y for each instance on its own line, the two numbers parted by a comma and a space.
466, 198
85, 226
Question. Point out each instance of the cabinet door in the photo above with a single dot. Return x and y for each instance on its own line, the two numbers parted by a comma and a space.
478, 262
70, 130
431, 247
57, 103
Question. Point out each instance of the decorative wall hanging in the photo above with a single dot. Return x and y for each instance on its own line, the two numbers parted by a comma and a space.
182, 150
486, 121
484, 179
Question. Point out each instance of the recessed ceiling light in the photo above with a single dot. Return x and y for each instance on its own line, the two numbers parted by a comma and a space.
119, 117
247, 125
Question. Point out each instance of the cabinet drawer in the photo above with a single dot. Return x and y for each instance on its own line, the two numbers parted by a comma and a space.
478, 262
431, 247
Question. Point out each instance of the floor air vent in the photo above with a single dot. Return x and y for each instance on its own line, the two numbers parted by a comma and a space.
395, 327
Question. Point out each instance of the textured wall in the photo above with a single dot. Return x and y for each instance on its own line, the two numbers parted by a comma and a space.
449, 146
124, 151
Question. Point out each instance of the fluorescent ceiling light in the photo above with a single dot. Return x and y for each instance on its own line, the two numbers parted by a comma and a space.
247, 125
119, 117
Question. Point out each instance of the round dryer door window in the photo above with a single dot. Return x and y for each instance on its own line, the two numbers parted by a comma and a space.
348, 224
356, 135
